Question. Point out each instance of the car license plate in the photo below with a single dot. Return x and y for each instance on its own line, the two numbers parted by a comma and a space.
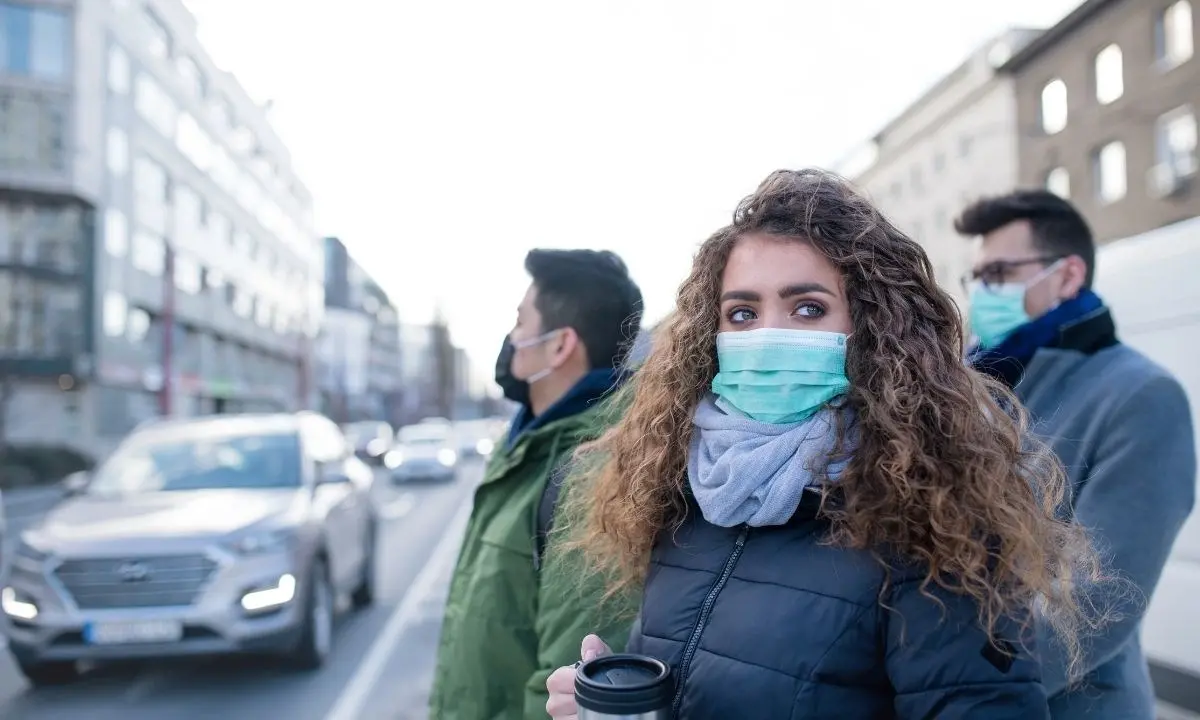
141, 631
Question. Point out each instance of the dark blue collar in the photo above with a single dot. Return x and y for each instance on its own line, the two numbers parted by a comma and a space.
590, 388
1081, 323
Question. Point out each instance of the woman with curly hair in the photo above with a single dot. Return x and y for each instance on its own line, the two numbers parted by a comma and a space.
828, 514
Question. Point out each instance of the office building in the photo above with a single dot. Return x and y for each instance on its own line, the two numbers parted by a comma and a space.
955, 143
359, 347
1106, 100
157, 251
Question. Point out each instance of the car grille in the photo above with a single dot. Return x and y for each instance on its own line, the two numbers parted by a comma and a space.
160, 581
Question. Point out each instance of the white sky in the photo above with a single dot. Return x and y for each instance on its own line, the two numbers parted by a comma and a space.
444, 138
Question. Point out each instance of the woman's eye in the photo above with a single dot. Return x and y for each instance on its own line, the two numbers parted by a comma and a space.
741, 315
810, 310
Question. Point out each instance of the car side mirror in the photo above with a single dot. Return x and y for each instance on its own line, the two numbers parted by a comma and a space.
76, 483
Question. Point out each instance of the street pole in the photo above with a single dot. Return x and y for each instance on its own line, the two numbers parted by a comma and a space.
168, 332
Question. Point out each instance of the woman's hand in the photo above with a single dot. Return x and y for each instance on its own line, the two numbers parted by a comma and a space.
561, 683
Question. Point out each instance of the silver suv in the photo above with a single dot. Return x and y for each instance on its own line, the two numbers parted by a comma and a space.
218, 535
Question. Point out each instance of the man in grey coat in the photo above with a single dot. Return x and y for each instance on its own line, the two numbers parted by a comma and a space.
1120, 424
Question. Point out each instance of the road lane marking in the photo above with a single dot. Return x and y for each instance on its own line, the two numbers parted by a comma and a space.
399, 507
358, 690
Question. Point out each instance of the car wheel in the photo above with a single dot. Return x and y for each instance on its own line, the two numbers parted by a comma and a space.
364, 594
316, 639
41, 674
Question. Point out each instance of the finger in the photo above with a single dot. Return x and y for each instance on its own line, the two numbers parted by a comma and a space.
593, 647
562, 707
562, 681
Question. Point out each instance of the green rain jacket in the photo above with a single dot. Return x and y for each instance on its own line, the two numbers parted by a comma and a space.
512, 619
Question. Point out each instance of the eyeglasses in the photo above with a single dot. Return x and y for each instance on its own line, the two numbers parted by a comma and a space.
997, 273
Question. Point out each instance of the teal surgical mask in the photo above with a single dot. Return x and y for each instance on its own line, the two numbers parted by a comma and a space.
779, 375
997, 310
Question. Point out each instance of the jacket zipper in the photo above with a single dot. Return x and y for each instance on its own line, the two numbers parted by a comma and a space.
689, 650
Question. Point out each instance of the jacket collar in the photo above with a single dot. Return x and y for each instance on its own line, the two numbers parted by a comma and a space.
1088, 333
589, 390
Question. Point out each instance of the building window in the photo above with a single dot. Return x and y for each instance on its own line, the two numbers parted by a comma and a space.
118, 151
152, 194
34, 41
32, 130
58, 232
158, 38
150, 180
1173, 35
194, 143
116, 232
149, 252
115, 314
189, 276
243, 302
262, 313
1175, 141
916, 182
214, 281
193, 78
119, 72
1054, 107
1110, 74
42, 317
964, 146
155, 106
137, 325
220, 230
1058, 181
222, 115
1111, 181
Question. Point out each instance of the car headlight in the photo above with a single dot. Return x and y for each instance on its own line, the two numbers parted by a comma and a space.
16, 605
266, 598
447, 457
485, 446
393, 459
262, 542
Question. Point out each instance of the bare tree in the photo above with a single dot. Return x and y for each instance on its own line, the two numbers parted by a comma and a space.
443, 365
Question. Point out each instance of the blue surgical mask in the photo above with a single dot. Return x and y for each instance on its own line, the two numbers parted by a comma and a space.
997, 310
779, 375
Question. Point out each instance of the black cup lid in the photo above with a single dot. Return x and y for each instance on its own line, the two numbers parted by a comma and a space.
624, 684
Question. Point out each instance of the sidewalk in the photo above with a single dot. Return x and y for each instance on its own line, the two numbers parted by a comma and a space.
411, 697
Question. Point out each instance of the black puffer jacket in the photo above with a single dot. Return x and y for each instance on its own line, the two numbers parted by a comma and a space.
769, 623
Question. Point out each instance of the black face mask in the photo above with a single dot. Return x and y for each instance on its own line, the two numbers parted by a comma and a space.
514, 389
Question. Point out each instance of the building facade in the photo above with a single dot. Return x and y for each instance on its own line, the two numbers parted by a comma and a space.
956, 143
1106, 103
157, 252
360, 343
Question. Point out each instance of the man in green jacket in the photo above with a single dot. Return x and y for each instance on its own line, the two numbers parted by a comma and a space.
512, 619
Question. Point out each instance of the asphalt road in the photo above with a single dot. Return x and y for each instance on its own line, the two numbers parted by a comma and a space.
381, 665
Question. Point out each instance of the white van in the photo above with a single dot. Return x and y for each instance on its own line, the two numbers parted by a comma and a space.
1152, 284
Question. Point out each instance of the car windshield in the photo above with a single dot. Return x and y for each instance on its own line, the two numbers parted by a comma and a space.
364, 431
222, 462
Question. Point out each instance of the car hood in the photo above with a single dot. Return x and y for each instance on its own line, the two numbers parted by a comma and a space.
421, 452
87, 520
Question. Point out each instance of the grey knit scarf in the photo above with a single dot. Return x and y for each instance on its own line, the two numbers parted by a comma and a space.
744, 471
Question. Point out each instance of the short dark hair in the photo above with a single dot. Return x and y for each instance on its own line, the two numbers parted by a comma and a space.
1058, 228
591, 292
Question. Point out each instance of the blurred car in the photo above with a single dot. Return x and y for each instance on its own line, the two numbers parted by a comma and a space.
208, 536
370, 439
475, 438
425, 451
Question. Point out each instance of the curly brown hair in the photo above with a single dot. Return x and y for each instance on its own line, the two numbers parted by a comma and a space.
943, 474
